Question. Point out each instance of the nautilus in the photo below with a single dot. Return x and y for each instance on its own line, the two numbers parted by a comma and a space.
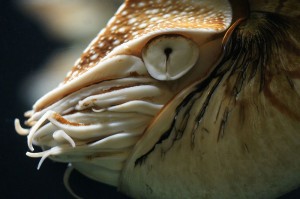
182, 99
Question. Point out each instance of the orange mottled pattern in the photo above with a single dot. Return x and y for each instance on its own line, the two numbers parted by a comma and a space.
141, 17
62, 120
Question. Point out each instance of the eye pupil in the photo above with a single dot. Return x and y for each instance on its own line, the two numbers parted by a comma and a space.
168, 51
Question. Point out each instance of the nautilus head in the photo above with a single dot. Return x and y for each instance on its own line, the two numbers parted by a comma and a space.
182, 99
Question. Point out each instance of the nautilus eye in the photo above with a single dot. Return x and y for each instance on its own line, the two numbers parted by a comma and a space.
169, 57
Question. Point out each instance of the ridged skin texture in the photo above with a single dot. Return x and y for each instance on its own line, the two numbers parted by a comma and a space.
236, 134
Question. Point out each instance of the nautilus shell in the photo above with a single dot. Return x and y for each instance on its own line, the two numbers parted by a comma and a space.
182, 99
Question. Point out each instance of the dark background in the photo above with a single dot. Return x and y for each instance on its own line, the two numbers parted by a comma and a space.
23, 48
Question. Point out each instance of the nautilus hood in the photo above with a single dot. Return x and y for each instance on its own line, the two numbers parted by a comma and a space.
134, 24
189, 98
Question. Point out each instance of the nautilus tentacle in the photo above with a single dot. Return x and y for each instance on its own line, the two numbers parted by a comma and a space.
182, 99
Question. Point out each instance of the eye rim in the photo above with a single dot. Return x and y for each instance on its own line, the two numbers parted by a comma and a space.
167, 50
